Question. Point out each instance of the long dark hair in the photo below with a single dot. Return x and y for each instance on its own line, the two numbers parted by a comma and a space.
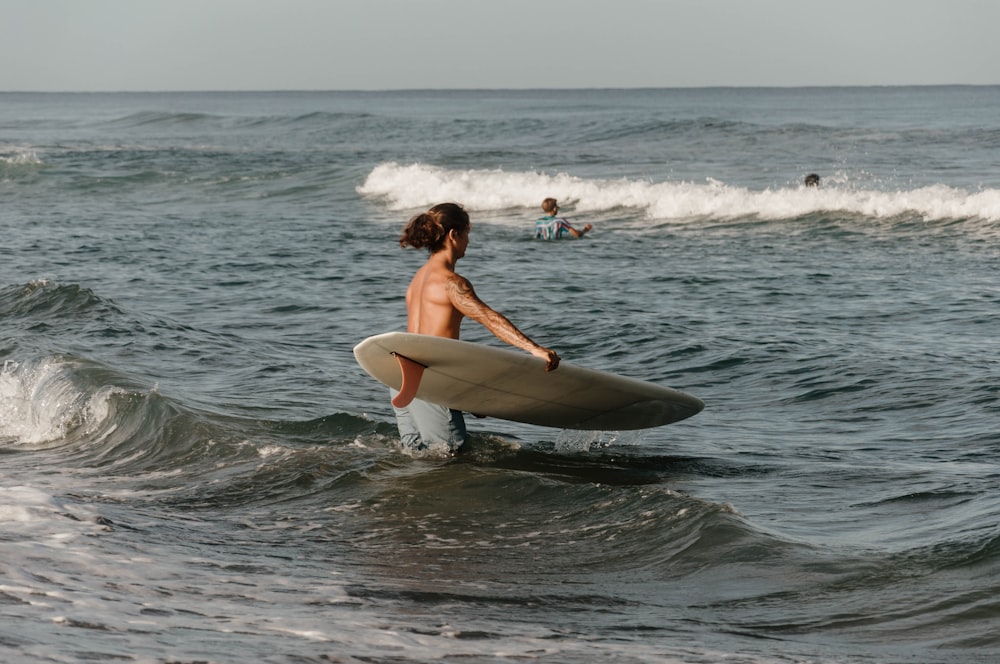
430, 228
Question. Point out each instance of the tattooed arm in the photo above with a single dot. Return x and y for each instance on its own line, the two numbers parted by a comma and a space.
463, 297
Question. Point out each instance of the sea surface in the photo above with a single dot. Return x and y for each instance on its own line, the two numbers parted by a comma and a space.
193, 468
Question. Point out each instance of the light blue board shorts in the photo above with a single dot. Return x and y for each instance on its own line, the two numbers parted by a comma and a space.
423, 425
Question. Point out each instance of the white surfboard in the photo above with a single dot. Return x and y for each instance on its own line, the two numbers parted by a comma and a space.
514, 385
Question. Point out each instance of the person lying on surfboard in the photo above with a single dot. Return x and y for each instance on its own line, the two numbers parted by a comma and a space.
437, 300
551, 227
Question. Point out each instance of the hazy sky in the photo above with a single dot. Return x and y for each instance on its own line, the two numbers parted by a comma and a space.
391, 44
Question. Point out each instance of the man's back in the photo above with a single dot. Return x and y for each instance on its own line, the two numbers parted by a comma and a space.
428, 303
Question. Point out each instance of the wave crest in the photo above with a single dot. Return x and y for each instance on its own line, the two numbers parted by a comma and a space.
41, 403
43, 297
20, 158
414, 186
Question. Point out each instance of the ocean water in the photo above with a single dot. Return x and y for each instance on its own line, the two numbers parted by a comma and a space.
194, 469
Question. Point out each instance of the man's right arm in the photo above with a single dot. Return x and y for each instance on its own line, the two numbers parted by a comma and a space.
463, 297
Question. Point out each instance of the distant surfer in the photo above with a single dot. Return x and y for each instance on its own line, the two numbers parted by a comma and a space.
553, 227
812, 180
437, 300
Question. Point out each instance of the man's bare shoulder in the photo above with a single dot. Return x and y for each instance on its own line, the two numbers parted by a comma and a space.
458, 284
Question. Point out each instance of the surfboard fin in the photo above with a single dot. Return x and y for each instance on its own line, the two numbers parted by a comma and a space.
412, 373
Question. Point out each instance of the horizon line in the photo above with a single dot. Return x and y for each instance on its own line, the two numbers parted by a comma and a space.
502, 89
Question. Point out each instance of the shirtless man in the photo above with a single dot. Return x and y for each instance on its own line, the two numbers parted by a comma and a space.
437, 300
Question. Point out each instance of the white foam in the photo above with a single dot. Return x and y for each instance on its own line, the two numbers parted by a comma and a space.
37, 515
569, 441
40, 403
21, 157
416, 186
